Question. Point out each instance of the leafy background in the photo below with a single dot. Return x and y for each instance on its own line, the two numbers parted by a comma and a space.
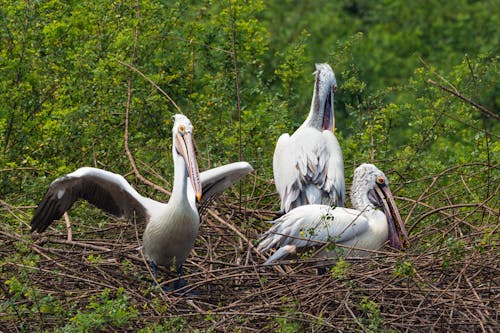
242, 72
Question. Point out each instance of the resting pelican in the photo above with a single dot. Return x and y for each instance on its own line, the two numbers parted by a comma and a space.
368, 226
308, 166
171, 228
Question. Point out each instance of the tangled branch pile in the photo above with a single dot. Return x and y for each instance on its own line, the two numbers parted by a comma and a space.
447, 281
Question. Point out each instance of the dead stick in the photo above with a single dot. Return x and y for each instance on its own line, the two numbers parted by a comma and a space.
68, 226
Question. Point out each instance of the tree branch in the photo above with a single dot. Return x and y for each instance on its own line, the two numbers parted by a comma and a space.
465, 99
127, 113
235, 64
152, 82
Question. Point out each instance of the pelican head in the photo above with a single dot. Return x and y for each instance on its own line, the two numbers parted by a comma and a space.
371, 188
321, 115
182, 135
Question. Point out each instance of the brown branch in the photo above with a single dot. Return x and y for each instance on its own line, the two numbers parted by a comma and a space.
235, 230
153, 83
456, 93
237, 86
127, 114
425, 194
235, 65
68, 226
461, 205
13, 210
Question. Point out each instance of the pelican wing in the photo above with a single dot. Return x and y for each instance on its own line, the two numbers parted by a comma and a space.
335, 183
313, 225
106, 190
216, 180
281, 170
309, 169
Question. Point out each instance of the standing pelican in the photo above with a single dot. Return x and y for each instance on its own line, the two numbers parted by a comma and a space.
171, 228
366, 227
308, 166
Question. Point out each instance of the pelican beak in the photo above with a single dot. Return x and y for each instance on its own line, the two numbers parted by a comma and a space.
328, 119
185, 147
398, 237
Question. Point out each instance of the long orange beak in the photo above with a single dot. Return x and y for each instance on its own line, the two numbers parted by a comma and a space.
185, 146
398, 237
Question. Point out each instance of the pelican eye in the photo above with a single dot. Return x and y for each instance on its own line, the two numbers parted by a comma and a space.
182, 128
335, 87
380, 180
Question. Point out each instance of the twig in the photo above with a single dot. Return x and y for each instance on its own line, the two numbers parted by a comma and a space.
127, 113
68, 226
237, 88
153, 83
455, 93
236, 81
439, 209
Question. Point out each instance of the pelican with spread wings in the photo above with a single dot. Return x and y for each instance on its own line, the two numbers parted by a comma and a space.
171, 228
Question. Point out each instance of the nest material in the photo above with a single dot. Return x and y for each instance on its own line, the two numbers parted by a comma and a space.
447, 281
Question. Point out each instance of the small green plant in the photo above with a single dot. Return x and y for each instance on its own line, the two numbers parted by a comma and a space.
340, 269
332, 246
26, 301
456, 251
173, 324
404, 269
373, 320
94, 259
309, 232
286, 323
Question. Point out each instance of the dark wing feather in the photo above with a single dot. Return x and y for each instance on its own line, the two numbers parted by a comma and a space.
101, 192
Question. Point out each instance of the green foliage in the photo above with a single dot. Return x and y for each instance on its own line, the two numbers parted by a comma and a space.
104, 311
289, 72
341, 269
63, 91
454, 252
23, 299
63, 94
404, 269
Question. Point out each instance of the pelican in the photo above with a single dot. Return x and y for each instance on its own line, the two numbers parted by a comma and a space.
308, 166
171, 228
374, 220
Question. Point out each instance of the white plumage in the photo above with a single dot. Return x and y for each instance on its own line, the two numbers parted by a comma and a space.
171, 227
368, 226
308, 165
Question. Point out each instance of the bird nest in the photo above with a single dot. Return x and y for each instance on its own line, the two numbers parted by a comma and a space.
446, 281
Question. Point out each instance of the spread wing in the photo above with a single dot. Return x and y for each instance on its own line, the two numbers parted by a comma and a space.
216, 180
309, 169
312, 225
105, 190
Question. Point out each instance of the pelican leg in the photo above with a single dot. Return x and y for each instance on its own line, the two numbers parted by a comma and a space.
321, 270
154, 268
180, 282
177, 284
